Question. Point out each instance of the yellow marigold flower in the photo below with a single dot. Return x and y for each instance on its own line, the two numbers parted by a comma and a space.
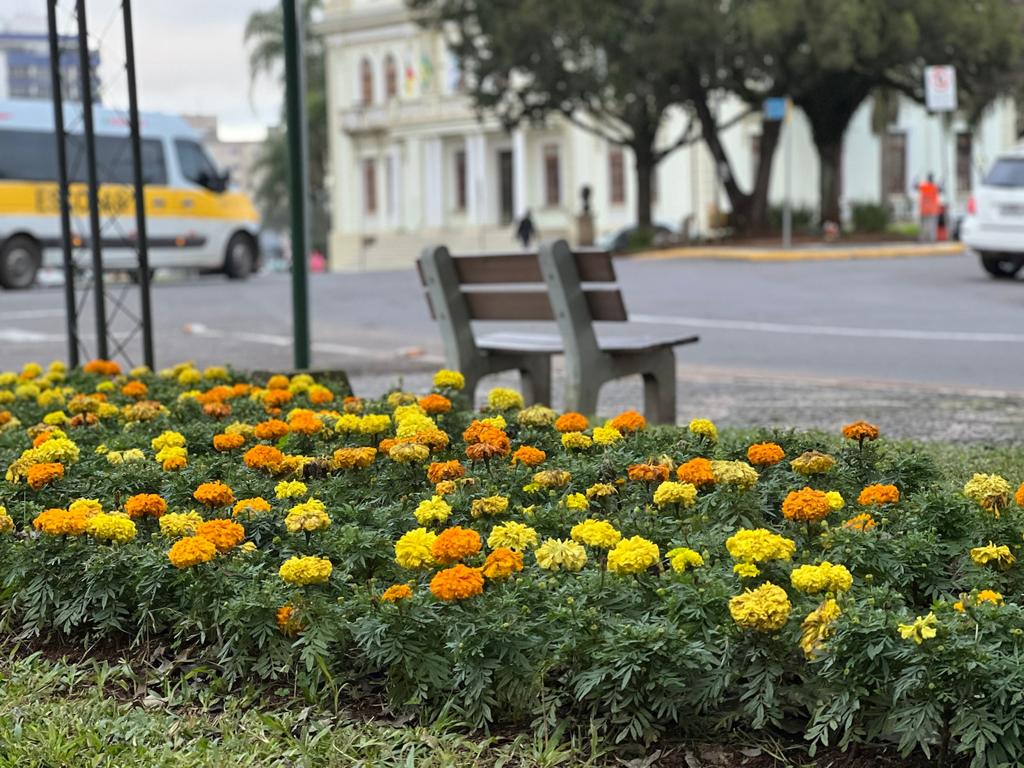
806, 506
87, 507
404, 453
552, 478
923, 628
984, 596
860, 431
414, 549
446, 379
576, 501
990, 492
54, 418
670, 492
765, 609
682, 558
374, 424
168, 439
536, 416
876, 495
735, 473
250, 507
6, 522
512, 535
432, 510
606, 435
862, 522
489, 505
396, 592
596, 533
817, 627
498, 422
835, 500
704, 428
576, 441
109, 527
214, 495
301, 571
812, 579
503, 399
746, 570
457, 583
190, 551
289, 489
601, 490
765, 454
632, 556
559, 555
454, 544
175, 524
759, 546
354, 458
812, 463
309, 516
1000, 556
502, 563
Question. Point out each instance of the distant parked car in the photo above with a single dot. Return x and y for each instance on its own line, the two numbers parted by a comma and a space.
626, 237
994, 225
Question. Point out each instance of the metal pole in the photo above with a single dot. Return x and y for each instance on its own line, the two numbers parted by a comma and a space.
99, 299
70, 305
295, 102
140, 192
787, 203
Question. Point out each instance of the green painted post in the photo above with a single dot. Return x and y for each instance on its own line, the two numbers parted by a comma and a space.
294, 101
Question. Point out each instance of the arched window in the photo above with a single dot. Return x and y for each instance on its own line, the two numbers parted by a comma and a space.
366, 82
390, 77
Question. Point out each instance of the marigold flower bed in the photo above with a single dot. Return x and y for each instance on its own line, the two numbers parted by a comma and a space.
516, 565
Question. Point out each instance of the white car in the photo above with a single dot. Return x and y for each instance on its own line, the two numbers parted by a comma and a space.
994, 226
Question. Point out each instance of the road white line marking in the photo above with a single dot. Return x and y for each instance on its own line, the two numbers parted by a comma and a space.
31, 314
21, 336
832, 330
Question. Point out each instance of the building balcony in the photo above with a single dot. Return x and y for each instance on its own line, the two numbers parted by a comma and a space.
398, 114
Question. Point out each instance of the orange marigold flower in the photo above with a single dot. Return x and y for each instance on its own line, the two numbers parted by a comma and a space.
41, 438
478, 432
385, 445
1019, 496
445, 470
765, 454
696, 472
457, 583
352, 404
628, 421
354, 458
320, 395
215, 494
862, 522
102, 367
145, 504
647, 472
482, 451
225, 534
61, 522
135, 389
275, 398
278, 381
263, 457
250, 507
875, 495
191, 550
225, 442
454, 544
806, 506
396, 592
216, 394
217, 410
305, 423
174, 463
528, 456
435, 404
571, 422
271, 429
434, 439
41, 475
287, 621
860, 431
502, 563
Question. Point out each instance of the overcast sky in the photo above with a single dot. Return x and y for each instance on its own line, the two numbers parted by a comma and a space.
189, 56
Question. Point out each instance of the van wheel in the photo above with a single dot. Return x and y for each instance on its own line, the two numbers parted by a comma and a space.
20, 258
240, 257
1000, 265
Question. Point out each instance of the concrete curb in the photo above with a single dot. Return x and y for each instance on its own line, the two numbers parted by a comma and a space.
826, 253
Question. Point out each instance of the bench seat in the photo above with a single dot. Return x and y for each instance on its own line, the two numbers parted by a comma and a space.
518, 341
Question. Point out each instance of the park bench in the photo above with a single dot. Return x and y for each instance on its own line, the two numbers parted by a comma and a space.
573, 289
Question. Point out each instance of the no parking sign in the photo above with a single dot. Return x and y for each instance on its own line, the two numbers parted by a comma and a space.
940, 89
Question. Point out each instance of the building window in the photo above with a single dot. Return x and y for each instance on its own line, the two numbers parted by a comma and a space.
616, 176
894, 163
369, 187
390, 77
963, 161
552, 177
460, 180
366, 82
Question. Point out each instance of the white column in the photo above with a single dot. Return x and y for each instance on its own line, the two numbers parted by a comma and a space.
394, 199
520, 198
476, 179
433, 187
411, 206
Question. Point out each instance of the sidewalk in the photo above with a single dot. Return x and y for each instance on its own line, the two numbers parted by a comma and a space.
804, 252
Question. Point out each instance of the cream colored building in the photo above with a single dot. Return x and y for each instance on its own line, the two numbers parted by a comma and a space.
412, 163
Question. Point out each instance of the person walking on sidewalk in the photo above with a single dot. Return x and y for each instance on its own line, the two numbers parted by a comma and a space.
928, 207
525, 231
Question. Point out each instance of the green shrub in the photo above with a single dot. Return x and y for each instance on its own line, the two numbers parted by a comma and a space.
870, 217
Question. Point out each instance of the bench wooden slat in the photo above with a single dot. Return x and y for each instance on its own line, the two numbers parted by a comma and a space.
498, 268
535, 305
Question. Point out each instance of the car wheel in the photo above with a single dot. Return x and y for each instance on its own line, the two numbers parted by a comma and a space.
20, 258
240, 257
1001, 265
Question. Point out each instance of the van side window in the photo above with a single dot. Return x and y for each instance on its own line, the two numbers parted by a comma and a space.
195, 165
29, 156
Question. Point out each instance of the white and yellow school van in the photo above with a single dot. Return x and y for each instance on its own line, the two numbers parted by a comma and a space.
193, 219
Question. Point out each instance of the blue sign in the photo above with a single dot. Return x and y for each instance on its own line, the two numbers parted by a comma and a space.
774, 109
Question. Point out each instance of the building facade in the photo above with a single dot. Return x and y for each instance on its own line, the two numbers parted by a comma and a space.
25, 67
411, 162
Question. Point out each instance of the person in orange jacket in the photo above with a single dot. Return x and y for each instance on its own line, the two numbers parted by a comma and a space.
928, 207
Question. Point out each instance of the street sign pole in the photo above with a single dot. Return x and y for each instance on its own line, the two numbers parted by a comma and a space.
787, 204
294, 103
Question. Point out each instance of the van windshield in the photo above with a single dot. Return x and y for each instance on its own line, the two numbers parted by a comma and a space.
1007, 172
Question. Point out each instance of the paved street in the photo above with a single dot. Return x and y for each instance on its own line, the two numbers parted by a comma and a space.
900, 329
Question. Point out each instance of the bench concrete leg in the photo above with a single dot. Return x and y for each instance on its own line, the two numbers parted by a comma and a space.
660, 389
581, 392
535, 375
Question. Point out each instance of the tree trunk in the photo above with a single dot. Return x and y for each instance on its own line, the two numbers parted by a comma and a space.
645, 165
830, 181
738, 199
759, 201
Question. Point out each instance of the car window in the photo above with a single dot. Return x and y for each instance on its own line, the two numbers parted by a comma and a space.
30, 156
1007, 172
195, 165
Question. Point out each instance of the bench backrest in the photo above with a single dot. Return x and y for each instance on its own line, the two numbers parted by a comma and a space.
572, 288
